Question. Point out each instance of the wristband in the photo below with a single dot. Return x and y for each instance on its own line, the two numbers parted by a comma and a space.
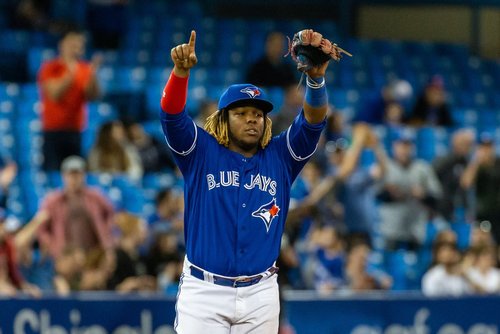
316, 95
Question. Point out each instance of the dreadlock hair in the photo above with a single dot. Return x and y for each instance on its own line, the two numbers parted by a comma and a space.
217, 125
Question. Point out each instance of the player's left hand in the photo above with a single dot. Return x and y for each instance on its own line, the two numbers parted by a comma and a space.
318, 71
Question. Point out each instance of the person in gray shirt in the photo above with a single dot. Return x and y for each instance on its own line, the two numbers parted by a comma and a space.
409, 195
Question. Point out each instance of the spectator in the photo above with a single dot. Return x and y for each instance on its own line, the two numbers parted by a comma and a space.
326, 260
169, 212
31, 14
207, 108
79, 216
335, 125
271, 69
449, 169
446, 236
154, 155
481, 236
11, 280
129, 270
431, 107
68, 270
353, 185
8, 172
360, 274
164, 261
483, 175
111, 152
66, 83
394, 114
292, 104
445, 278
484, 274
408, 197
386, 106
96, 270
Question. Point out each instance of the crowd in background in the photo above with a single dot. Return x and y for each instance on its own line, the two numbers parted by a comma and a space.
358, 203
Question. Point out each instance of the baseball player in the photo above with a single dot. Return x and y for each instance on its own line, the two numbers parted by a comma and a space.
237, 190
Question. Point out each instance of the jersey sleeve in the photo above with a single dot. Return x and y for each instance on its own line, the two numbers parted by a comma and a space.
181, 134
300, 141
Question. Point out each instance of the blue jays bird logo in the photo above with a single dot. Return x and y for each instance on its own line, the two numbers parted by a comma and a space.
267, 213
251, 91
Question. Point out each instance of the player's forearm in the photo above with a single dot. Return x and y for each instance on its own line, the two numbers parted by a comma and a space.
174, 95
316, 100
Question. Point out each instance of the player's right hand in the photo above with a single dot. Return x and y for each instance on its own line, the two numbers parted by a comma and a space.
184, 56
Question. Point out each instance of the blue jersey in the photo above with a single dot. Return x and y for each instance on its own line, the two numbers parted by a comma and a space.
236, 207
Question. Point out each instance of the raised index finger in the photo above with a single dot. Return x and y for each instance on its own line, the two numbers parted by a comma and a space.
192, 39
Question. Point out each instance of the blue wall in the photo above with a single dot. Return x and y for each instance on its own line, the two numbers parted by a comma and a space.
151, 314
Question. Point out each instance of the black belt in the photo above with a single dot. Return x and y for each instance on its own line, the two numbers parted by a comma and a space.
236, 282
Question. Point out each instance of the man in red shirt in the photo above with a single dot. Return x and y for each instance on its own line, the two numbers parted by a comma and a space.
66, 84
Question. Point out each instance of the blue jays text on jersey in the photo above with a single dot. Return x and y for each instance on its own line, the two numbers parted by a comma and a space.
235, 207
231, 178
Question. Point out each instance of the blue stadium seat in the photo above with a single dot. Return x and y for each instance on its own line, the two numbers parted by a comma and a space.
463, 231
135, 57
107, 78
276, 95
54, 179
396, 265
464, 117
100, 112
487, 119
9, 91
37, 56
158, 75
15, 40
153, 94
427, 140
30, 91
338, 97
158, 180
7, 109
131, 78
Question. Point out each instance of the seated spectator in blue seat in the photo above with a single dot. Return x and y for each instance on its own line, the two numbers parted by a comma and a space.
155, 155
483, 274
359, 274
169, 214
431, 107
164, 260
129, 272
377, 109
445, 277
292, 104
271, 69
112, 153
326, 259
